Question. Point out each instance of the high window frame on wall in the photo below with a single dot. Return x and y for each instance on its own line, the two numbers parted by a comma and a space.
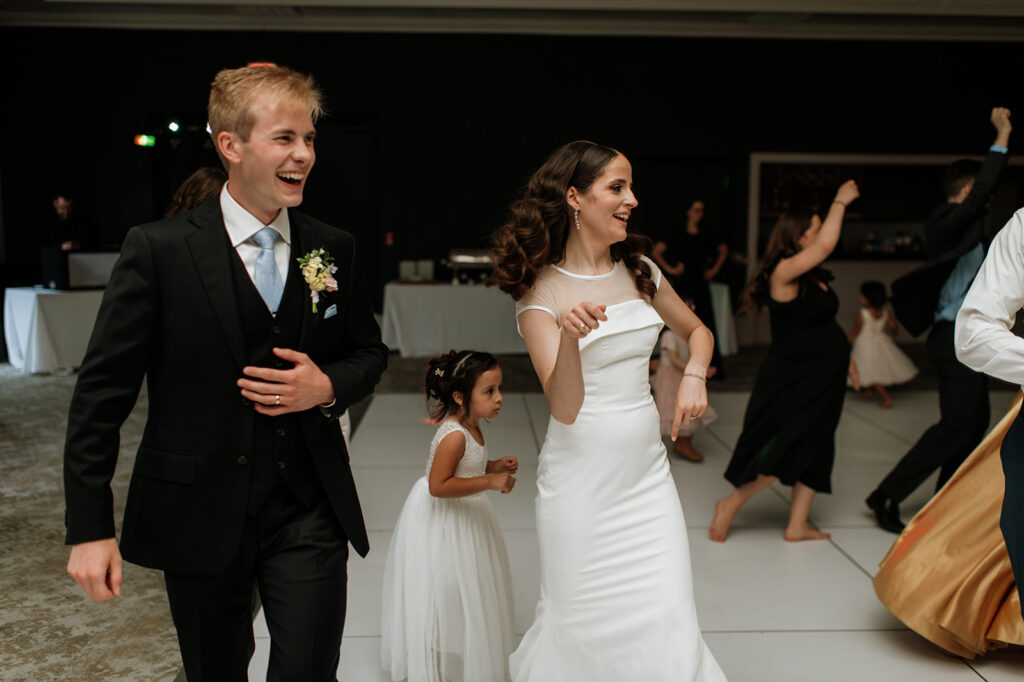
876, 174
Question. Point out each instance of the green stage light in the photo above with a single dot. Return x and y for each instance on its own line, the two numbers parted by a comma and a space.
145, 140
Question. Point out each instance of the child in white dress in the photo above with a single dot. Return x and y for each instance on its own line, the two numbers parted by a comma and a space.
447, 597
875, 358
675, 353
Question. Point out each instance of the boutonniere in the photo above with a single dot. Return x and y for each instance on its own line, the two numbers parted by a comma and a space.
318, 270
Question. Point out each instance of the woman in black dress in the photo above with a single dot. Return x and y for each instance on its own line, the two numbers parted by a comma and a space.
789, 428
692, 257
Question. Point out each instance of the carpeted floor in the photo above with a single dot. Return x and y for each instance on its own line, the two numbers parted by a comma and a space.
50, 630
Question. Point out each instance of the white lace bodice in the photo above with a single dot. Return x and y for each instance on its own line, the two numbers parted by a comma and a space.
615, 356
557, 290
474, 459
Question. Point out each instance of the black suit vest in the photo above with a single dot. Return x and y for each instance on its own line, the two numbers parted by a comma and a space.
278, 448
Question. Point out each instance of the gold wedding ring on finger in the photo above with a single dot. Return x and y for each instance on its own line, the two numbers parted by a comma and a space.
583, 328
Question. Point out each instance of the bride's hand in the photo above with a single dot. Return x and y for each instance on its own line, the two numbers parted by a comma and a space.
583, 318
691, 401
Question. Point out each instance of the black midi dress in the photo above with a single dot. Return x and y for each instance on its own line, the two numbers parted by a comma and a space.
790, 423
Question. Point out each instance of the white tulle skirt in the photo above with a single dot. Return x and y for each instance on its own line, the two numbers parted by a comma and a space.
447, 600
880, 361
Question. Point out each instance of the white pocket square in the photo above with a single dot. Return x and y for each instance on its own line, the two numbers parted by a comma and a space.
331, 312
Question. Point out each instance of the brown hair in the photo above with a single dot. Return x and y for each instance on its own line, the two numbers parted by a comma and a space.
536, 232
197, 189
783, 243
233, 95
454, 372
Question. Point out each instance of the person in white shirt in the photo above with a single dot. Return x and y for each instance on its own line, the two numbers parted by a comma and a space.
985, 343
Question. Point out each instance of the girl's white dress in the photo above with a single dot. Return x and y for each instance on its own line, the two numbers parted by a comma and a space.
447, 599
879, 360
616, 596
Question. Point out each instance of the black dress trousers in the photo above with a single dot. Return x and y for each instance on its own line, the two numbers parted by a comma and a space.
296, 556
964, 416
1011, 522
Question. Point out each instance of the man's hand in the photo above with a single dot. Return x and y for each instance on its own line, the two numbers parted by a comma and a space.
1001, 120
96, 566
280, 391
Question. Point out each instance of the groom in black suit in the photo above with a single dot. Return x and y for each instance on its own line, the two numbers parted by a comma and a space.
242, 478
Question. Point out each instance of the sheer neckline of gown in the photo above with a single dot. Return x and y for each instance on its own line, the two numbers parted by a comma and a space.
604, 275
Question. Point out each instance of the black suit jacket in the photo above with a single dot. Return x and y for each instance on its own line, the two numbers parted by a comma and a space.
954, 229
170, 315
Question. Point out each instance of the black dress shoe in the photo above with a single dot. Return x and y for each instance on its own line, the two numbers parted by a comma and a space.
887, 512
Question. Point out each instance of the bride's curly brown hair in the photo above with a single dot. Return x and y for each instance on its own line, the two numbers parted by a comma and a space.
539, 224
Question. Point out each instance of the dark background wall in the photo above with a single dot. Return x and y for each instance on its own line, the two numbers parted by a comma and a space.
430, 136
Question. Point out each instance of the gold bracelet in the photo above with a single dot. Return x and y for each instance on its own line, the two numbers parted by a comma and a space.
695, 376
843, 204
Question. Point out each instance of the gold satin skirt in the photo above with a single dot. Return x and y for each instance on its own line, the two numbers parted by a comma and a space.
948, 576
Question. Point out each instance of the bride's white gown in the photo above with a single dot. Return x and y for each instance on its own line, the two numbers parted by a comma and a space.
616, 599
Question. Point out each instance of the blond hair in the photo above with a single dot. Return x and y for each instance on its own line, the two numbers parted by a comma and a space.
234, 92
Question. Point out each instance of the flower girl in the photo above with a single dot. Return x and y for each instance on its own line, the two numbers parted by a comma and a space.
447, 597
879, 362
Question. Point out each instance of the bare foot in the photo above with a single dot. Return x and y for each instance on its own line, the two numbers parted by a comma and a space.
886, 404
805, 533
725, 512
867, 392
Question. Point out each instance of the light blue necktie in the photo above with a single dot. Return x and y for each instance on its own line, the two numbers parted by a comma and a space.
266, 276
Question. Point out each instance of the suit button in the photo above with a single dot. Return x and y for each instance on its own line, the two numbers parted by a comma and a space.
242, 460
282, 466
281, 432
278, 363
276, 329
246, 402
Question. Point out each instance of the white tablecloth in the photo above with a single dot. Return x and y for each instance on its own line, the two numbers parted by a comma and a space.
725, 325
48, 330
428, 319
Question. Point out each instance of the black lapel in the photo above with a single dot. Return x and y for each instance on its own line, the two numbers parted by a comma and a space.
211, 251
303, 241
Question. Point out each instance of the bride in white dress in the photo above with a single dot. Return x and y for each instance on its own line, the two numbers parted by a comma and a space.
616, 588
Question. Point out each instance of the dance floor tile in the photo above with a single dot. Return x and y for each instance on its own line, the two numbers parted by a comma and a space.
259, 626
730, 406
701, 485
726, 433
508, 440
861, 441
883, 656
524, 564
1005, 665
395, 408
382, 493
516, 510
365, 577
758, 581
392, 445
771, 610
851, 484
866, 546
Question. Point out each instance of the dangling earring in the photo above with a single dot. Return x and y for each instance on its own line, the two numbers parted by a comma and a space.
576, 217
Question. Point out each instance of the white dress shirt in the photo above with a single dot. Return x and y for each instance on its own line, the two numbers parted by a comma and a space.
984, 341
242, 225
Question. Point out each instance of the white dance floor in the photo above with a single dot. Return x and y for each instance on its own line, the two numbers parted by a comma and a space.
770, 610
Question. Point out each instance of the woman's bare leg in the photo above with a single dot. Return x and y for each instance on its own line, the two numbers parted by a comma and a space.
799, 508
727, 507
